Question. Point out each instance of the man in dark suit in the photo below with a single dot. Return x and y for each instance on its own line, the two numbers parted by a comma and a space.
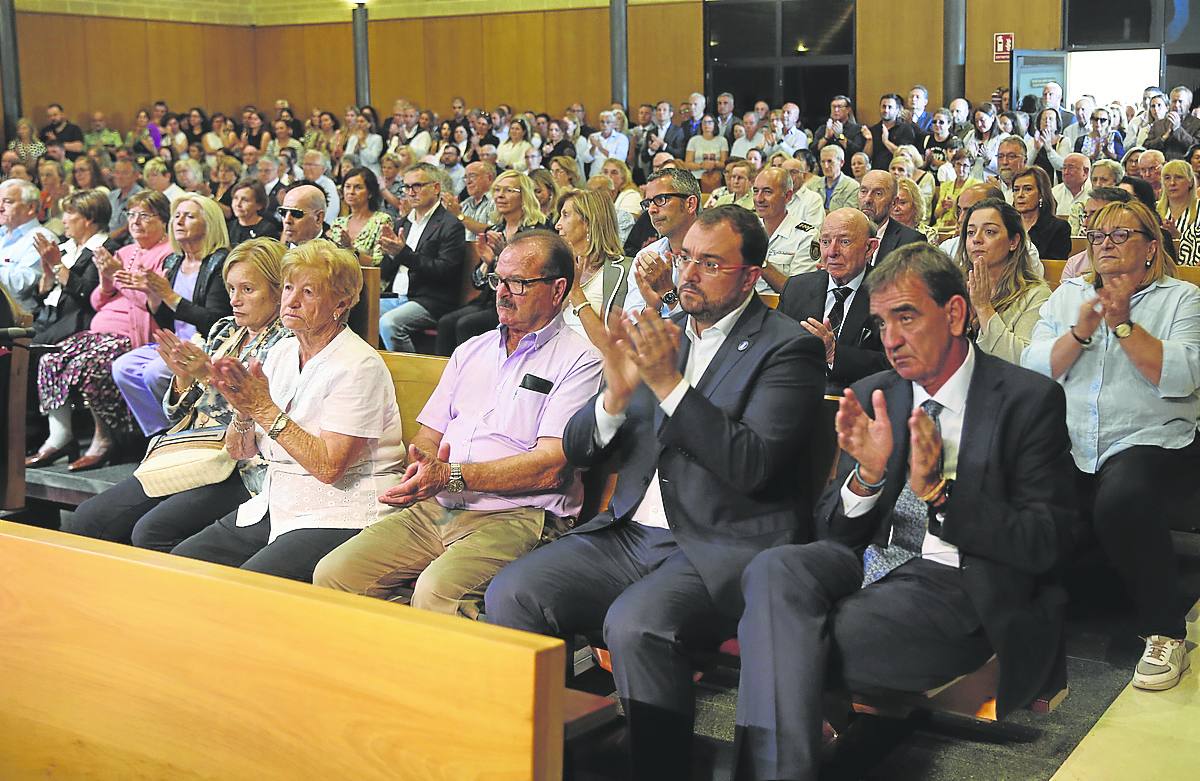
833, 304
876, 194
710, 434
663, 136
948, 511
422, 264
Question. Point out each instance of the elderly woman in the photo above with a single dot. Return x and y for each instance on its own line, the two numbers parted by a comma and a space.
604, 282
908, 208
511, 153
359, 229
566, 172
391, 187
190, 176
69, 276
1180, 210
739, 175
1124, 342
1050, 146
188, 297
1102, 142
860, 163
321, 410
248, 199
1006, 289
124, 513
83, 364
1034, 200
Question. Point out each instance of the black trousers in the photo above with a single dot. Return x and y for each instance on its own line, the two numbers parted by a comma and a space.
1129, 504
124, 513
293, 555
456, 327
636, 583
809, 626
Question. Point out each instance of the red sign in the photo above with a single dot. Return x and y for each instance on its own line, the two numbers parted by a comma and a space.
1002, 46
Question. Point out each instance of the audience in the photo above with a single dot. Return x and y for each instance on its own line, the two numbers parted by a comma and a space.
68, 275
602, 285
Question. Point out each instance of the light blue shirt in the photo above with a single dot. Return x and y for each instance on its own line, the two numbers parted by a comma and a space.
1111, 406
20, 264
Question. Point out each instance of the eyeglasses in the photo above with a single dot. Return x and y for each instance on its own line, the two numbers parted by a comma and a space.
662, 199
415, 186
1118, 235
516, 286
284, 212
1100, 120
707, 267
508, 190
1009, 155
140, 216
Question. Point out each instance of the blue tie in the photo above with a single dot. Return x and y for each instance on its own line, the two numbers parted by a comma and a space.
909, 519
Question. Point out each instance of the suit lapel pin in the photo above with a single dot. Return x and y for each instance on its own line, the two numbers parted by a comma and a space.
742, 347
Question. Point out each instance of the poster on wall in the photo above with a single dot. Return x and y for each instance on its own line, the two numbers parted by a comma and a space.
1002, 47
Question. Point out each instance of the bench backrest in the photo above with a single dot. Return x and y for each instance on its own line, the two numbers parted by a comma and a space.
156, 666
415, 377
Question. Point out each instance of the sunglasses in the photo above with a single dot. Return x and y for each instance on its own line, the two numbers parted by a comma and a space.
284, 212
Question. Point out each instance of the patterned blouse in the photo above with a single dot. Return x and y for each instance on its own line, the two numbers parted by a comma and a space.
208, 402
367, 241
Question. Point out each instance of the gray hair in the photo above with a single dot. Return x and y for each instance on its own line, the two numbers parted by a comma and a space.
682, 182
317, 153
1112, 166
28, 192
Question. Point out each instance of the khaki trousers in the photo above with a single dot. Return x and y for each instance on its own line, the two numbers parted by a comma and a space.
453, 554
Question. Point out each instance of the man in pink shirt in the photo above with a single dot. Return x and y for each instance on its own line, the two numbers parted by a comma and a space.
487, 478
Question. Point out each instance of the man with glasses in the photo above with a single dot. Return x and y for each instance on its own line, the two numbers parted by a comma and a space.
1150, 166
302, 213
474, 211
790, 239
315, 165
1011, 157
125, 179
1071, 193
709, 414
1176, 133
422, 262
487, 478
672, 203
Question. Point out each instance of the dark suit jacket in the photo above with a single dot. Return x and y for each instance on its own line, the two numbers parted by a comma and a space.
859, 351
896, 235
1011, 512
729, 460
1052, 237
676, 142
435, 268
74, 312
210, 298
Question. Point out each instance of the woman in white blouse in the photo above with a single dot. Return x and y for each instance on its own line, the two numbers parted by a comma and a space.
363, 145
511, 153
322, 412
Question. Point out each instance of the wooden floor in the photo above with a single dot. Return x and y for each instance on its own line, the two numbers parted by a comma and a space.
1145, 735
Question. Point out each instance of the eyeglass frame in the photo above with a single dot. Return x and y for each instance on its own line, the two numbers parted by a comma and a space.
494, 281
1093, 233
415, 186
706, 267
283, 212
646, 203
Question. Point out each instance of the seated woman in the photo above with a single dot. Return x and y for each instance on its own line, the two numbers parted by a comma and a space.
511, 153
86, 175
157, 176
626, 196
188, 297
359, 229
547, 192
1180, 210
557, 144
124, 513
248, 199
706, 154
1124, 342
946, 211
69, 276
566, 173
83, 364
908, 208
1033, 199
1006, 289
604, 283
225, 173
321, 410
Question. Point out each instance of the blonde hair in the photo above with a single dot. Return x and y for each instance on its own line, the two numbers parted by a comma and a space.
626, 174
1179, 168
904, 160
597, 212
265, 255
569, 165
336, 268
531, 210
912, 191
546, 179
1161, 265
216, 235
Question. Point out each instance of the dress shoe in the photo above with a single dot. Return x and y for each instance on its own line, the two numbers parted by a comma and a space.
90, 460
48, 455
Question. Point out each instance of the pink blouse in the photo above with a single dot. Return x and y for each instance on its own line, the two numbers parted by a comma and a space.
124, 311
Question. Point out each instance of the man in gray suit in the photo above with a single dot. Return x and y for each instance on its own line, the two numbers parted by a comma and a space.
949, 509
711, 433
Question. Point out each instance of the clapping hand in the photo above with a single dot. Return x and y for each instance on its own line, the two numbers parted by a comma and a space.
979, 285
489, 247
924, 453
651, 344
155, 286
48, 251
246, 389
652, 272
865, 439
390, 241
187, 361
424, 478
106, 264
824, 332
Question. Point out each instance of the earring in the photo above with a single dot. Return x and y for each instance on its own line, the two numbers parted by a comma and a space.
1039, 203
1149, 263
336, 315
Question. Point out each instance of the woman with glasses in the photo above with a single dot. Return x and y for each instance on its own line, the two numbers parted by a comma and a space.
359, 229
945, 212
603, 284
1049, 144
1005, 286
82, 367
515, 210
566, 173
1179, 210
706, 154
1101, 142
1035, 203
1123, 340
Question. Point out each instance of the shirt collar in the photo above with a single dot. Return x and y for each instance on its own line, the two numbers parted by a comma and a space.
418, 219
953, 394
16, 234
537, 338
724, 326
853, 284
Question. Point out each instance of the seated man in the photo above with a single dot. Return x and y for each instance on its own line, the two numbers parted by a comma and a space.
710, 433
949, 507
487, 479
301, 213
422, 264
20, 263
833, 303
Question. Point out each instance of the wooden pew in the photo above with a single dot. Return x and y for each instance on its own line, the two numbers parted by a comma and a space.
14, 362
1078, 244
154, 666
364, 317
1054, 270
770, 299
415, 377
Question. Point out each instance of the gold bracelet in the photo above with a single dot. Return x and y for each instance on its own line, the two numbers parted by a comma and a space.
934, 492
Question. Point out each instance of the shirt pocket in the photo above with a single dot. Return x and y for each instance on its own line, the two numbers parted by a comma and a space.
519, 416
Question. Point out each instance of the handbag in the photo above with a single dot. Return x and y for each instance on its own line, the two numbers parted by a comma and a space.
191, 453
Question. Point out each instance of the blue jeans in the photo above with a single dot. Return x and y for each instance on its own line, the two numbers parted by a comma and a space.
399, 321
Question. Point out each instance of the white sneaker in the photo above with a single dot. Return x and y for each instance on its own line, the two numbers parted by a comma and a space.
1162, 663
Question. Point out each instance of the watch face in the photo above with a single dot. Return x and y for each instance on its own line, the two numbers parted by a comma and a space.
670, 298
1123, 330
456, 486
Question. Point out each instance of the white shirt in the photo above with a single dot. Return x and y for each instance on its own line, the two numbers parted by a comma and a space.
953, 398
333, 203
349, 372
70, 256
744, 144
807, 206
830, 298
796, 138
702, 349
1067, 205
173, 191
615, 146
412, 238
789, 250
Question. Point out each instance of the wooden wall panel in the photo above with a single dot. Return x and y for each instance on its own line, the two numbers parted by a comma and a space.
666, 52
279, 74
399, 63
1036, 24
452, 65
108, 74
50, 72
891, 62
577, 61
517, 74
229, 78
175, 64
327, 53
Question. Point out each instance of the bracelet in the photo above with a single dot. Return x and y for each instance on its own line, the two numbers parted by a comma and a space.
278, 426
857, 475
934, 492
1082, 342
243, 426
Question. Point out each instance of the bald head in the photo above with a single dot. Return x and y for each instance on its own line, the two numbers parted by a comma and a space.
876, 194
846, 244
973, 195
303, 211
772, 191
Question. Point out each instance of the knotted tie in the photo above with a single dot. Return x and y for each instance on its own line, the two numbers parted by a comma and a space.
909, 519
838, 312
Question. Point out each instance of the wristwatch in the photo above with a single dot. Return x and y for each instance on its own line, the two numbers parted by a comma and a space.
456, 485
1123, 329
670, 298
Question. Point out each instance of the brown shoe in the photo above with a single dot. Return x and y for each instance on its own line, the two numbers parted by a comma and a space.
90, 461
48, 455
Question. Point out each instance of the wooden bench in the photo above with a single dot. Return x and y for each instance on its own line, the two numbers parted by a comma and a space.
14, 363
154, 666
364, 317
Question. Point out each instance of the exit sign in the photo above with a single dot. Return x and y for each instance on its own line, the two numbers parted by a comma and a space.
1002, 46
